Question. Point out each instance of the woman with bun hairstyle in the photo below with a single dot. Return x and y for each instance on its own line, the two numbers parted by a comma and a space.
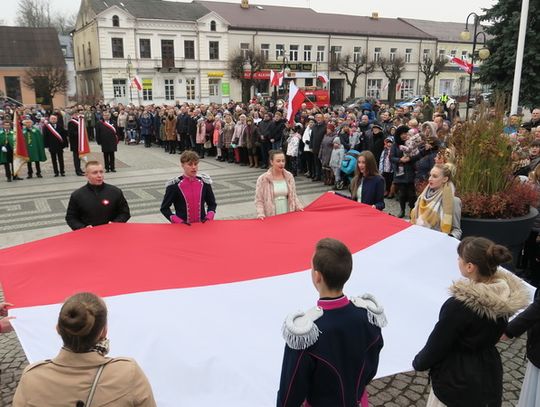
437, 208
464, 365
81, 374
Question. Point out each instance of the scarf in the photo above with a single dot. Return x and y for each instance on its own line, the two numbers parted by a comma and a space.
434, 209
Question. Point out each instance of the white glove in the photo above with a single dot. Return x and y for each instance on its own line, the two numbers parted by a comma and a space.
4, 149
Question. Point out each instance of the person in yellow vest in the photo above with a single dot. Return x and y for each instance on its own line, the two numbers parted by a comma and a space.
36, 148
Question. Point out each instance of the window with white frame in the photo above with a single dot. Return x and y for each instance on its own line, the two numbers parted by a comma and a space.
280, 51
453, 53
169, 89
307, 53
293, 53
335, 54
407, 88
147, 89
393, 54
244, 50
213, 87
442, 54
376, 54
119, 88
374, 87
426, 54
265, 51
357, 54
190, 88
408, 55
213, 49
320, 53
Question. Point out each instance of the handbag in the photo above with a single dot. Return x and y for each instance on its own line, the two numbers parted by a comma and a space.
92, 389
207, 144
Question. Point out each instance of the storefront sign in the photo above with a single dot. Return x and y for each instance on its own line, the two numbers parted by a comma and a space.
216, 74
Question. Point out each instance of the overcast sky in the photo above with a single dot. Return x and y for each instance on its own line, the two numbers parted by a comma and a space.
456, 10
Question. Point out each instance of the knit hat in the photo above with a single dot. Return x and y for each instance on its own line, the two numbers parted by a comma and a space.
390, 139
401, 130
376, 125
336, 140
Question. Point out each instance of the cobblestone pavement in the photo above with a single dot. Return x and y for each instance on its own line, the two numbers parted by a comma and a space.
33, 209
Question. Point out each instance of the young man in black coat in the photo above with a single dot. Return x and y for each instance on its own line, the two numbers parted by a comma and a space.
317, 134
96, 203
55, 139
315, 370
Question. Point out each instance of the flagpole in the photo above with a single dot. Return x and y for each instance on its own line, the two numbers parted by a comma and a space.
519, 55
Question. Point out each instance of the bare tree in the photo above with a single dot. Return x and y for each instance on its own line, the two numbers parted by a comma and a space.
38, 14
34, 13
392, 69
431, 68
48, 80
244, 67
352, 68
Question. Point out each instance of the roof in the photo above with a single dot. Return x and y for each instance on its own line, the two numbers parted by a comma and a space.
299, 19
66, 41
443, 31
154, 9
26, 46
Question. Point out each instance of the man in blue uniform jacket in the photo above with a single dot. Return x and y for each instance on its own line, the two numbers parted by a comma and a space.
332, 350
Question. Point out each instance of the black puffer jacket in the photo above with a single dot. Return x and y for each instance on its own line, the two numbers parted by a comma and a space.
464, 365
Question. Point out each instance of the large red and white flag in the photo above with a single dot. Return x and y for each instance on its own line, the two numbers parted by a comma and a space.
462, 64
276, 78
209, 308
20, 150
82, 135
296, 98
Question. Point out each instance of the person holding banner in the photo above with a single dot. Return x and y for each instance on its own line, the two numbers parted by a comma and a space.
82, 374
35, 146
73, 134
96, 203
106, 137
55, 139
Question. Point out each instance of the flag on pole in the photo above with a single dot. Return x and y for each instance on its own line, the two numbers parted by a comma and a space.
386, 85
322, 77
462, 64
276, 78
84, 145
20, 150
210, 316
296, 98
399, 85
137, 83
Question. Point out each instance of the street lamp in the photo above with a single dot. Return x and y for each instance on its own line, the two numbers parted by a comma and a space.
129, 65
483, 53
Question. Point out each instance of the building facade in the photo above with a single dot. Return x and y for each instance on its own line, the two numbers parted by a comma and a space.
183, 51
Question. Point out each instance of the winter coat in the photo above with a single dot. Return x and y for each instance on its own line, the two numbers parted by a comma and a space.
464, 364
317, 134
528, 320
146, 125
264, 194
407, 175
217, 134
325, 152
228, 131
34, 144
239, 135
336, 157
306, 139
200, 136
170, 128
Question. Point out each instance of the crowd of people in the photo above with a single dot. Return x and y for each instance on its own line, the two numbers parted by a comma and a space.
375, 152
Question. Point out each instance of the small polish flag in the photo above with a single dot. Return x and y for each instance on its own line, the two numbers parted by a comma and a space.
214, 319
322, 77
296, 98
399, 85
136, 82
276, 78
463, 65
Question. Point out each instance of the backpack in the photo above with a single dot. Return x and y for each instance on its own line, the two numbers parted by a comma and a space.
348, 164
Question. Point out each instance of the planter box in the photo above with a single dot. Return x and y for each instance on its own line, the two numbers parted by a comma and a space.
511, 233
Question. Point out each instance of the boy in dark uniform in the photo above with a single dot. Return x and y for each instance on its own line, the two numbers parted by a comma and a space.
332, 350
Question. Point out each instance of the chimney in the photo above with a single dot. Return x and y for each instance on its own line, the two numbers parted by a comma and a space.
375, 15
244, 4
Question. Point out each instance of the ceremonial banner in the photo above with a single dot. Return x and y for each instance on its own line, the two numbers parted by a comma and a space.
20, 150
201, 308
84, 145
462, 64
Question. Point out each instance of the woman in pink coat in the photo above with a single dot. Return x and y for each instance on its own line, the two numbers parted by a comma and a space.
275, 192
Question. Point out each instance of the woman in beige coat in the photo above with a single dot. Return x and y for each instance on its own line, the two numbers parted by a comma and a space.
275, 192
81, 365
170, 131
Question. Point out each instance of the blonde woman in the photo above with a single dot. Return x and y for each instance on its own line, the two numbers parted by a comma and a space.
437, 207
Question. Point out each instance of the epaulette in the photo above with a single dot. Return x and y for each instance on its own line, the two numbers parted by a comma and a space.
299, 329
173, 181
375, 311
205, 178
37, 364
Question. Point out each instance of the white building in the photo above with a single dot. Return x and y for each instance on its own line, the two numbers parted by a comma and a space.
181, 51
